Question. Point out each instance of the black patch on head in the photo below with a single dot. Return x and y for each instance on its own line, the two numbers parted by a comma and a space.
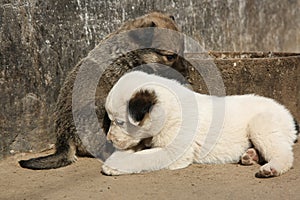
141, 103
106, 123
296, 128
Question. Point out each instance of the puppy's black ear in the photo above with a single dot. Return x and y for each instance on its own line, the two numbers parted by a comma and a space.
172, 17
140, 106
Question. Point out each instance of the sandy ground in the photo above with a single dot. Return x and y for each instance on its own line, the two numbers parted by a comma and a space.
83, 180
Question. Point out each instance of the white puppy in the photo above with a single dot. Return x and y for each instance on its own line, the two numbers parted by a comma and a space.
177, 127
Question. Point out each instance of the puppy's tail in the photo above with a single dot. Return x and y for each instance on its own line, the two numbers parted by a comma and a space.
62, 157
297, 129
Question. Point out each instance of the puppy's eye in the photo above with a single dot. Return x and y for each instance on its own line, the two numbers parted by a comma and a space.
171, 57
119, 122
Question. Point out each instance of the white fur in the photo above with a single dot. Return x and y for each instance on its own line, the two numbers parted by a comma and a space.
225, 127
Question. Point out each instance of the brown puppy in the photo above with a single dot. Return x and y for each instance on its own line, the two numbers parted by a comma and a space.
68, 143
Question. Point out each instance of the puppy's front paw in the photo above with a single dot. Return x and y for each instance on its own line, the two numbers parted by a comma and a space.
106, 170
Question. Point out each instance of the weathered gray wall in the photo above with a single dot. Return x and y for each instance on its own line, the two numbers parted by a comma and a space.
40, 41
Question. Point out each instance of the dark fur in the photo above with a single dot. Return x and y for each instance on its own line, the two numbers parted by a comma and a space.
68, 142
296, 128
56, 160
106, 123
141, 103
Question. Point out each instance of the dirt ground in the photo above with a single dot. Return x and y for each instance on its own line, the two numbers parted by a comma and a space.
83, 180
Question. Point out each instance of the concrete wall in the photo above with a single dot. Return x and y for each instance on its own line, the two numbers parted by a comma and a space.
40, 41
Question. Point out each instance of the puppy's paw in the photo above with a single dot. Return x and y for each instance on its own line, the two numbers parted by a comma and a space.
250, 157
106, 170
267, 171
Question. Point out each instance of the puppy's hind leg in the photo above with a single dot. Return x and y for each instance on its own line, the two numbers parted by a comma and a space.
269, 134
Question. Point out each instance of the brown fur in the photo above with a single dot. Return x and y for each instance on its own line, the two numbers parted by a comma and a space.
68, 142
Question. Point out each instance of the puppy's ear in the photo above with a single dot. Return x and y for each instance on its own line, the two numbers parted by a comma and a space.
140, 105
